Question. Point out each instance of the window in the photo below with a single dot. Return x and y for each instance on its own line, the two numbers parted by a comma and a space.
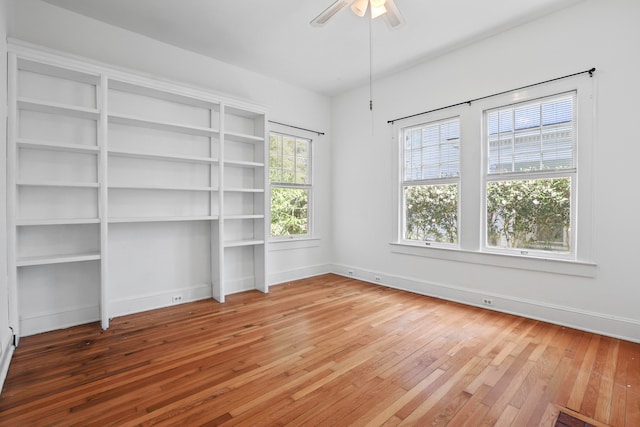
530, 174
431, 171
501, 181
291, 187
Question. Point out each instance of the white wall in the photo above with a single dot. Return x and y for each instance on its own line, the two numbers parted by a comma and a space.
591, 34
42, 24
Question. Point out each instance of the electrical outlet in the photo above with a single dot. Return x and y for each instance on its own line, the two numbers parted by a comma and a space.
176, 299
377, 278
350, 272
487, 301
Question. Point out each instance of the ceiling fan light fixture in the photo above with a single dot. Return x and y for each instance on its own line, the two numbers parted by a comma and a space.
378, 11
385, 8
377, 8
359, 7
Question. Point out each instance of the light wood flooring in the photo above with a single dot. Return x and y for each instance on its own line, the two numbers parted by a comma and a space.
322, 351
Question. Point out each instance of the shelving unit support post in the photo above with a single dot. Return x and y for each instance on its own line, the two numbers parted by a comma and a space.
12, 158
103, 128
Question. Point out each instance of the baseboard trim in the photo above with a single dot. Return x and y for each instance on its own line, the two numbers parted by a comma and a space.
242, 284
5, 361
589, 321
137, 304
298, 273
43, 322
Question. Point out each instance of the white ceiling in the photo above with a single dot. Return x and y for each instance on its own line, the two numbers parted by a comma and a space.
274, 38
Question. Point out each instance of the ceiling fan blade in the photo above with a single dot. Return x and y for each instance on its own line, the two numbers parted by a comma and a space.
393, 17
329, 12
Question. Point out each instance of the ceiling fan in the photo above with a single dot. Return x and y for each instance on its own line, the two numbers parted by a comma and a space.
385, 8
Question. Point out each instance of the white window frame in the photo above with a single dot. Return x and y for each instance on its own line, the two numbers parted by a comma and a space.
309, 236
404, 183
472, 219
533, 175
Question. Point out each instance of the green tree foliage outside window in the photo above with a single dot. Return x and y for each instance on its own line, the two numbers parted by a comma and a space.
289, 211
522, 214
529, 214
431, 213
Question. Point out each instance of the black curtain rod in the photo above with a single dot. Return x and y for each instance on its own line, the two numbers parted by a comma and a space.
590, 71
296, 127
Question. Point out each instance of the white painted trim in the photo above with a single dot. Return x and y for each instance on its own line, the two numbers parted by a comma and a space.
294, 243
243, 284
299, 273
49, 321
589, 321
7, 354
152, 301
86, 65
520, 262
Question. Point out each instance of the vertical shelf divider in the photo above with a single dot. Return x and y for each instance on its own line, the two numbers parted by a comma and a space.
103, 212
217, 251
263, 228
12, 210
221, 207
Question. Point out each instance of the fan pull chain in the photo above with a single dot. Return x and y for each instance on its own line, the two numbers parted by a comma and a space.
370, 66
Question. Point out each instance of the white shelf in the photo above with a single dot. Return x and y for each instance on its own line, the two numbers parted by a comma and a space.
167, 157
160, 188
147, 90
57, 108
248, 216
56, 146
162, 219
244, 190
59, 184
231, 110
151, 124
56, 259
243, 137
59, 72
243, 164
56, 221
240, 243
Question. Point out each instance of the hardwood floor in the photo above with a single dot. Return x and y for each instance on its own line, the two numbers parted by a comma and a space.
321, 351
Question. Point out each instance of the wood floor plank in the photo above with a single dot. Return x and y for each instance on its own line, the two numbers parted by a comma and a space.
584, 374
327, 350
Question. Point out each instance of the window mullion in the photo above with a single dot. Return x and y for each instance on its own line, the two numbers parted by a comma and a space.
513, 140
295, 160
540, 142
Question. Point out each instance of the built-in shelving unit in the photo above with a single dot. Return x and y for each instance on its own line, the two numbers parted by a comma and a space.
125, 190
243, 199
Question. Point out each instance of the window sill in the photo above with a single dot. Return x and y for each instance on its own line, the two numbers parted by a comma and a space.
548, 265
293, 243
